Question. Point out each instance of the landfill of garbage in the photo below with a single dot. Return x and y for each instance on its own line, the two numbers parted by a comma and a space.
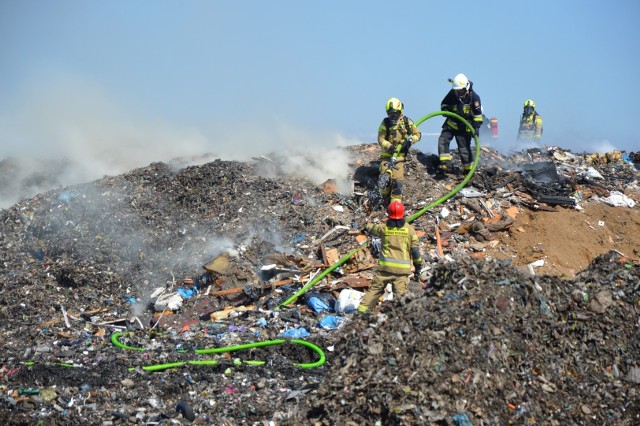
225, 294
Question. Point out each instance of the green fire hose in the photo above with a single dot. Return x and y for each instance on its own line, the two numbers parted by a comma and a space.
411, 218
321, 360
115, 339
158, 367
469, 175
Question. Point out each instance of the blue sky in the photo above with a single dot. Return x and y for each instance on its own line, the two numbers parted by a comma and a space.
151, 79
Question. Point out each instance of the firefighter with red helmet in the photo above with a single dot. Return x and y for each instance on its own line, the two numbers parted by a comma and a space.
530, 123
465, 102
400, 249
396, 134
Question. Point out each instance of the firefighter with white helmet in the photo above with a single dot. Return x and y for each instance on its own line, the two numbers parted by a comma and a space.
396, 134
465, 102
530, 122
400, 249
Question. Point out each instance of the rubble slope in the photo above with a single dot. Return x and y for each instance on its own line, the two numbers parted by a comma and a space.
491, 338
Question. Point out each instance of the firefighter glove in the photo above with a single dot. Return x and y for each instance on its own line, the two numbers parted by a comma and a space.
363, 228
391, 149
407, 144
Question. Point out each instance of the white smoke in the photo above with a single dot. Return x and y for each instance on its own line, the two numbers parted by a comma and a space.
601, 146
97, 136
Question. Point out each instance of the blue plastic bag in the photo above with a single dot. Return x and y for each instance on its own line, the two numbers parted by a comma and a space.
186, 293
317, 305
461, 419
320, 301
296, 333
330, 322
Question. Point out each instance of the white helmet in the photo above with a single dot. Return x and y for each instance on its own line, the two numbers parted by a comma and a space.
460, 81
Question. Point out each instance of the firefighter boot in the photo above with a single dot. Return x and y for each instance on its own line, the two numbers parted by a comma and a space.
443, 169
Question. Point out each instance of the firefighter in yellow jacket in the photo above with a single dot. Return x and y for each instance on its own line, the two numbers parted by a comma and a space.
396, 134
400, 248
530, 123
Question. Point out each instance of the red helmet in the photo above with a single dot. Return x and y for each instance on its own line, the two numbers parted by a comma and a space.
396, 210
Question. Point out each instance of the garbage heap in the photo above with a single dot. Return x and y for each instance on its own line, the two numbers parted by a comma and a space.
487, 345
113, 292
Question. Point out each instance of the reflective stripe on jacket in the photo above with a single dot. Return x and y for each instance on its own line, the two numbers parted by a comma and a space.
530, 126
470, 110
400, 247
397, 134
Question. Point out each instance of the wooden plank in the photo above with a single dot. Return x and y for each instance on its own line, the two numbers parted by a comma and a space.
439, 242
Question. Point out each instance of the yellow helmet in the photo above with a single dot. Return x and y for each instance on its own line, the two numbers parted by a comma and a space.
530, 103
394, 104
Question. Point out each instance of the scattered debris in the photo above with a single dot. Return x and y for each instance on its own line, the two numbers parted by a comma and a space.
528, 313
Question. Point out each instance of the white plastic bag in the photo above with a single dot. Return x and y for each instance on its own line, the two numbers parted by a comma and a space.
618, 199
348, 301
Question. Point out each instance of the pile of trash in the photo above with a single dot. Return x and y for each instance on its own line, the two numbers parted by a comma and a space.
214, 294
487, 345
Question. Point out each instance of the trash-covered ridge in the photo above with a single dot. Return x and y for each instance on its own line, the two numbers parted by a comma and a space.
179, 260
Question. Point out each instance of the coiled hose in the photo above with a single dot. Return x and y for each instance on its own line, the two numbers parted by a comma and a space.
115, 339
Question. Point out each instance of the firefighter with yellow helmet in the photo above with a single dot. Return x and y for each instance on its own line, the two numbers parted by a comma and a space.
396, 134
530, 122
465, 102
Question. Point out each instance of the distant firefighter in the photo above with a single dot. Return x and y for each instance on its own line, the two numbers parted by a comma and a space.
530, 123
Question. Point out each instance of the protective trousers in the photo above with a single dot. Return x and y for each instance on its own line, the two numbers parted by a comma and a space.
463, 140
399, 284
391, 187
